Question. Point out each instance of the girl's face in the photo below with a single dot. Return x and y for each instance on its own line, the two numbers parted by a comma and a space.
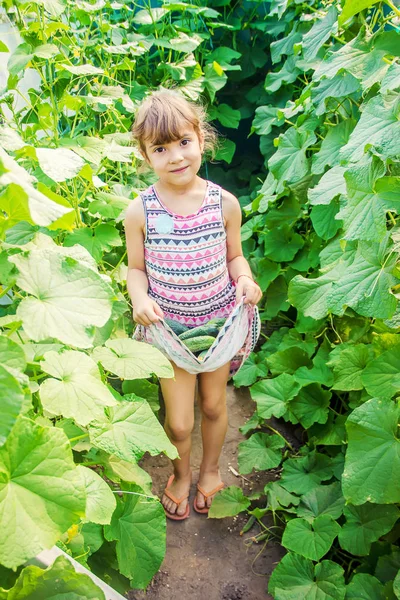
178, 161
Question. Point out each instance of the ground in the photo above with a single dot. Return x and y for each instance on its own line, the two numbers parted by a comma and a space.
207, 559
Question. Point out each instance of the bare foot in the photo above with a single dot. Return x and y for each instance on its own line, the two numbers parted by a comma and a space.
208, 481
178, 488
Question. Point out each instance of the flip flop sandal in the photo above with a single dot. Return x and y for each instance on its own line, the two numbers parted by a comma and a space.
177, 501
206, 495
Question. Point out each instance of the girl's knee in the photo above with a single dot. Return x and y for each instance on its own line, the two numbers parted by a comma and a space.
179, 431
213, 407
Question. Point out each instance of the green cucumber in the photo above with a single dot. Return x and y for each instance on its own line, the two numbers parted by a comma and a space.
218, 322
202, 354
200, 331
202, 342
176, 327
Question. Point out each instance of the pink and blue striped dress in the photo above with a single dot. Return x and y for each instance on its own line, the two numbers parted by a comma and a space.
186, 264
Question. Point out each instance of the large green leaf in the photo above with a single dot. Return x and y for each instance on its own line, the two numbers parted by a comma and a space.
59, 582
343, 84
215, 78
22, 201
97, 239
130, 472
265, 118
323, 218
310, 405
143, 389
289, 163
76, 389
365, 587
388, 564
287, 74
10, 140
296, 578
101, 501
12, 398
286, 44
319, 373
85, 69
277, 496
381, 377
226, 115
391, 81
273, 395
228, 503
41, 491
323, 500
253, 368
363, 58
369, 197
59, 163
365, 285
138, 526
131, 430
130, 359
379, 126
108, 205
260, 452
329, 151
349, 365
366, 524
310, 295
373, 454
352, 7
282, 243
67, 299
304, 473
54, 7
311, 540
319, 33
331, 184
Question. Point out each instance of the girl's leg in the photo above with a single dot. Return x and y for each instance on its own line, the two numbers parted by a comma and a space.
214, 423
178, 397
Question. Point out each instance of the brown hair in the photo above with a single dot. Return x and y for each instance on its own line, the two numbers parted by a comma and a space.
159, 119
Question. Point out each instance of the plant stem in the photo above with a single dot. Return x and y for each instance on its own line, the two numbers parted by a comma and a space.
393, 7
288, 444
79, 437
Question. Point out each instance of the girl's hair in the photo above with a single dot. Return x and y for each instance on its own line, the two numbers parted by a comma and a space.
159, 120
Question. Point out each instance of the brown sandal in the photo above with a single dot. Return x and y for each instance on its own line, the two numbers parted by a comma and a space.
206, 495
177, 501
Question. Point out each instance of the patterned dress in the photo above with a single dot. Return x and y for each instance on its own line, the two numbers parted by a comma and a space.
186, 265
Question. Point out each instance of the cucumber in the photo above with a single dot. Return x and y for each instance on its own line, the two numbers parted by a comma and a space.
176, 327
202, 354
202, 342
200, 331
218, 322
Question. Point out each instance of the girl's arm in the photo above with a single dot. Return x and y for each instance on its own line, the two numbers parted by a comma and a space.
238, 267
145, 310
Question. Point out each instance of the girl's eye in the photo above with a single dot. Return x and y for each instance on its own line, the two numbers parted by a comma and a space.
161, 147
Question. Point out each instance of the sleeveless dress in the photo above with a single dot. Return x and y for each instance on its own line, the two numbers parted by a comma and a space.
186, 266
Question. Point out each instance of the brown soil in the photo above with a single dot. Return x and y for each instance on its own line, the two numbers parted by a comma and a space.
207, 559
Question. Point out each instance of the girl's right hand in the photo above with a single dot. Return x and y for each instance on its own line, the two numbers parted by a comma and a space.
147, 311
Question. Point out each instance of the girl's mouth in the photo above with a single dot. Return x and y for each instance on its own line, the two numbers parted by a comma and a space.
180, 170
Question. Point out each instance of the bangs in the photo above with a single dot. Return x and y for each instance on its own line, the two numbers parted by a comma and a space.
165, 126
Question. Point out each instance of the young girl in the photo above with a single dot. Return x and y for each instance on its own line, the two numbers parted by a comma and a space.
185, 262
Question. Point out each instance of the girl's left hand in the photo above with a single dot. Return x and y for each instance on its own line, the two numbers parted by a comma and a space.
247, 287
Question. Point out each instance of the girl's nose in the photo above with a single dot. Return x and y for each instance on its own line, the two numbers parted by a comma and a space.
176, 158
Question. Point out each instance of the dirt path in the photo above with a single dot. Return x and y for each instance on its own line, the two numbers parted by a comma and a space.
206, 559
